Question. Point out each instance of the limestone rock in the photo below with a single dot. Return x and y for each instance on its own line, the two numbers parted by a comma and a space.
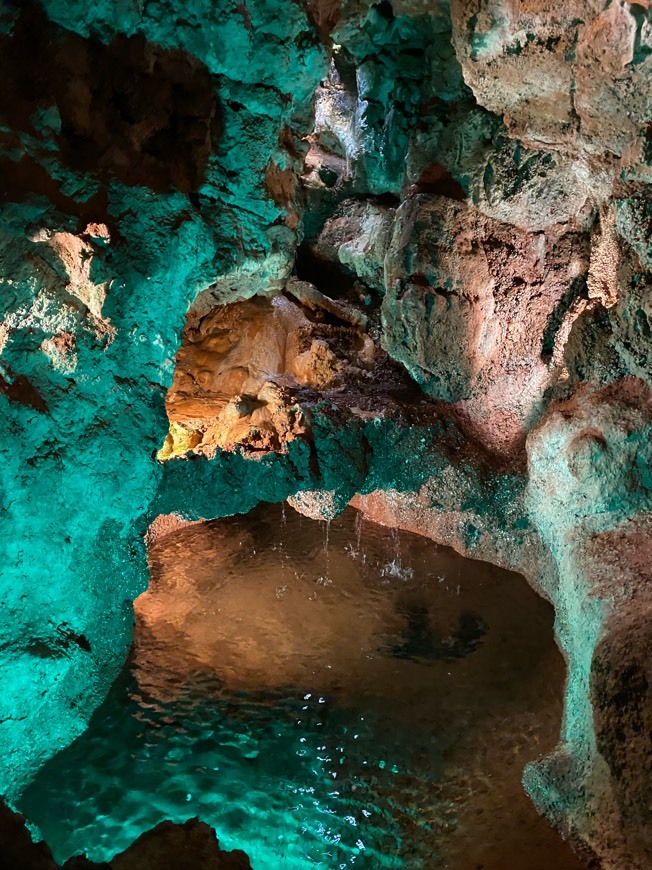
133, 154
190, 845
184, 846
532, 189
357, 236
595, 521
241, 366
460, 289
473, 180
317, 505
574, 77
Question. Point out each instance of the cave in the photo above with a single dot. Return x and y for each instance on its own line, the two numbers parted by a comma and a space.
329, 693
326, 386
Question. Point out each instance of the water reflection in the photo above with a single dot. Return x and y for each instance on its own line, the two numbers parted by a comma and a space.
326, 698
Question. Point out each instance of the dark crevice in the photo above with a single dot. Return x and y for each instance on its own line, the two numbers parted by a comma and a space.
24, 178
19, 389
385, 9
331, 278
437, 180
130, 109
576, 290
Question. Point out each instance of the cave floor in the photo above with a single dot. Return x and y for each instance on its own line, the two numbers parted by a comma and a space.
326, 696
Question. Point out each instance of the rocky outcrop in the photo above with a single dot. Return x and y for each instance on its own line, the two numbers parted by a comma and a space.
579, 532
479, 311
243, 369
427, 289
576, 78
545, 387
183, 846
130, 185
592, 508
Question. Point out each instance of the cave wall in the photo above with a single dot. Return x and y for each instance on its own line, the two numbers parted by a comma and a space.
134, 154
464, 187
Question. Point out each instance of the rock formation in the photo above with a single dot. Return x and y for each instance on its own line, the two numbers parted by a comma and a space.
183, 847
397, 253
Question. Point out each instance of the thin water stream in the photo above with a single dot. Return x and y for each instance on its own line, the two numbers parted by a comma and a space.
325, 697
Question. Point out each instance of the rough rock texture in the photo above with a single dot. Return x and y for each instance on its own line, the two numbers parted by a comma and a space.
575, 77
478, 311
427, 288
514, 285
242, 367
592, 507
184, 847
583, 524
132, 180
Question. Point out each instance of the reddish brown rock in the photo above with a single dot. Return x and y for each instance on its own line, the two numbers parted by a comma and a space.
573, 76
186, 847
17, 851
479, 312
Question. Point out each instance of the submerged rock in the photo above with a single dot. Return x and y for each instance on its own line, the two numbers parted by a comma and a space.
186, 846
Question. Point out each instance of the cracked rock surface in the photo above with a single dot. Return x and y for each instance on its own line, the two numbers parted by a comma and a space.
395, 253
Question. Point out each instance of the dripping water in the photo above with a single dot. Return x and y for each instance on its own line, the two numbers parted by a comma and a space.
383, 724
325, 578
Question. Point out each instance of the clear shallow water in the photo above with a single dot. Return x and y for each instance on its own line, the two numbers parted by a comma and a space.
325, 697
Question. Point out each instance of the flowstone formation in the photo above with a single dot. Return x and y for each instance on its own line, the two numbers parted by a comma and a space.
401, 252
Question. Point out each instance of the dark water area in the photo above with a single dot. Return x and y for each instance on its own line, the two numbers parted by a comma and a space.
326, 697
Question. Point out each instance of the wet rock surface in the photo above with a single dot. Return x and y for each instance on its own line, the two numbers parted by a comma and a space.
188, 845
396, 252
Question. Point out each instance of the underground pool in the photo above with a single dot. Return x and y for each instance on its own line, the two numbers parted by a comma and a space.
326, 696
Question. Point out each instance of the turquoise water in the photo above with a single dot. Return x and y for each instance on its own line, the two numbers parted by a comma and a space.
325, 697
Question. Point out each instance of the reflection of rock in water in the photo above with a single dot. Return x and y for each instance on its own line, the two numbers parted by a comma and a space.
422, 641
371, 721
258, 611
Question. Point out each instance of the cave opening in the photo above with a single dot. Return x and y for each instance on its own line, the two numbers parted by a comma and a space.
324, 694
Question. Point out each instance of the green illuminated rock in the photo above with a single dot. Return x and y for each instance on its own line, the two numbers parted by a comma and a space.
475, 180
101, 258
